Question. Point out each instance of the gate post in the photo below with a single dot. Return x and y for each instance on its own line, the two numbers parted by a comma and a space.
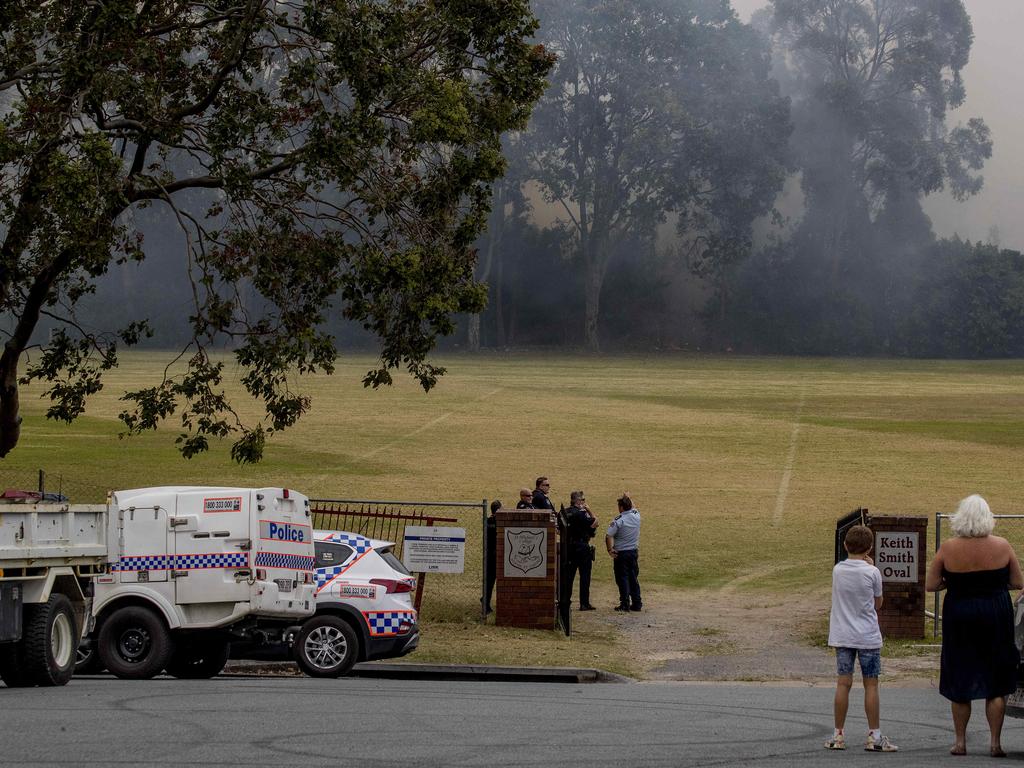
900, 555
527, 569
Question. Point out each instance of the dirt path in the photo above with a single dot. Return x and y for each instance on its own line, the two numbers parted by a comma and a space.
731, 633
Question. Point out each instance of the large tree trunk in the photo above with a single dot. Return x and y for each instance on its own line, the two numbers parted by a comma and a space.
595, 261
473, 333
10, 417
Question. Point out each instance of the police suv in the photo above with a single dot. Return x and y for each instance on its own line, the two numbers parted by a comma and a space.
364, 610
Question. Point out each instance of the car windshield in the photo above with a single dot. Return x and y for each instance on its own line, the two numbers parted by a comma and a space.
393, 561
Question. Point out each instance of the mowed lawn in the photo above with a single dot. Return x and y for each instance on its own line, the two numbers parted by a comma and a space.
737, 464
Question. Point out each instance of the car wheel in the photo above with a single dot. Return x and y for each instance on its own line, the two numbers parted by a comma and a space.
134, 643
199, 658
87, 660
326, 646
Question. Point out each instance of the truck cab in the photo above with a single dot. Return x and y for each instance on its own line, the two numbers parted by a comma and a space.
190, 564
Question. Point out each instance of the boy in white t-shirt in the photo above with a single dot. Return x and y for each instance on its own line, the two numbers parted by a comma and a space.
853, 632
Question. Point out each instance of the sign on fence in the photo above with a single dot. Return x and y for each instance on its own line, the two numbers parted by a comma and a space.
430, 549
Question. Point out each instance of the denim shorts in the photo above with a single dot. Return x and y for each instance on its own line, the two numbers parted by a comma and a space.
870, 661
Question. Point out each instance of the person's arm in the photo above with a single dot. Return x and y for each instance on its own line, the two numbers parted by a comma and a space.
609, 542
933, 580
1016, 577
878, 603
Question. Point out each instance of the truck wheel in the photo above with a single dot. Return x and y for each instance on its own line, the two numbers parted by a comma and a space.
134, 643
12, 666
50, 640
199, 658
326, 646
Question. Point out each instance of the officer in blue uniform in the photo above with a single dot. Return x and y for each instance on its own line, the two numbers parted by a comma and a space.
623, 542
541, 499
580, 529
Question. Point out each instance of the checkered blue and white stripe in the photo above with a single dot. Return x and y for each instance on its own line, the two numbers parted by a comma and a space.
384, 623
182, 562
227, 560
324, 575
359, 543
280, 560
144, 563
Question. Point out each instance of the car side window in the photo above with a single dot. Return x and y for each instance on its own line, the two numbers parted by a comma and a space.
328, 553
393, 561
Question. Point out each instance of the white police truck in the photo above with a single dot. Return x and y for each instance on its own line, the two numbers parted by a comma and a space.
159, 579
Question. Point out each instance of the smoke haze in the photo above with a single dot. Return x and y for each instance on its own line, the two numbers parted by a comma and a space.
991, 78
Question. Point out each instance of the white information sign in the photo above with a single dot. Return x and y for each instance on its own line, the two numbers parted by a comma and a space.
429, 549
896, 555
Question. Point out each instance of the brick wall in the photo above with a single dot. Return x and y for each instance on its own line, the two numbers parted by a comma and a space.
526, 602
902, 614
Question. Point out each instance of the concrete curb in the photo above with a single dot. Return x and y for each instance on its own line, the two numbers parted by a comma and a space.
406, 671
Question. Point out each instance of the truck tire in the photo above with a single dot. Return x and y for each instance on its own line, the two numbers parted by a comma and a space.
134, 643
12, 666
199, 658
326, 646
51, 641
45, 655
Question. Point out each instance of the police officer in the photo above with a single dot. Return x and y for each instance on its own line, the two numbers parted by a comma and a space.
541, 497
581, 526
623, 542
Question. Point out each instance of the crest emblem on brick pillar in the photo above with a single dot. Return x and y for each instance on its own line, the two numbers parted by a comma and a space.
525, 550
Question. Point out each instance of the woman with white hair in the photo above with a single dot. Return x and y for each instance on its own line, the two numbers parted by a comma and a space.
979, 658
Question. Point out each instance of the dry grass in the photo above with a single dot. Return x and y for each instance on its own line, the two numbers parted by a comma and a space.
703, 444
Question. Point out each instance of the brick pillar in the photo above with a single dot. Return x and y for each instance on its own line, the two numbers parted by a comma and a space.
902, 561
527, 569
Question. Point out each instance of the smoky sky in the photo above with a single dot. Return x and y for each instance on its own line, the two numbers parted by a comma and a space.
993, 81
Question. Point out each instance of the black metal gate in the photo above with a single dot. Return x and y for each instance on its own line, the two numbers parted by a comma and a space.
562, 575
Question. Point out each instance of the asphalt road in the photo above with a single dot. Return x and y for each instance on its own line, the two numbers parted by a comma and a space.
284, 722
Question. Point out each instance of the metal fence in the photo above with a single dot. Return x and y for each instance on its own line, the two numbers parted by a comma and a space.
442, 596
1010, 527
78, 489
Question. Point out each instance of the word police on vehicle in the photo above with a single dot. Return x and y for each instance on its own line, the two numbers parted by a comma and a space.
287, 532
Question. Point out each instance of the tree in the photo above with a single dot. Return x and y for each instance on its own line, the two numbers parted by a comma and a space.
873, 81
657, 108
313, 151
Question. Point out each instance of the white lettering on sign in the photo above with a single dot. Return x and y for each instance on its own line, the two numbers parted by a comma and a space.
896, 556
224, 504
429, 549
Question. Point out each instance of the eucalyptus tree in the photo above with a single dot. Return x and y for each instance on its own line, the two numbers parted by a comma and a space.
329, 155
873, 82
657, 109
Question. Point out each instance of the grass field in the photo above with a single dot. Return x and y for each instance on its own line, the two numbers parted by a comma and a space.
737, 464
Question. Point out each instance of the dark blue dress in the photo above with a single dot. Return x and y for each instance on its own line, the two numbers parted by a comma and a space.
979, 658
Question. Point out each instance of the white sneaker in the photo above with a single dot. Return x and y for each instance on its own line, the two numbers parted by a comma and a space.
881, 744
836, 742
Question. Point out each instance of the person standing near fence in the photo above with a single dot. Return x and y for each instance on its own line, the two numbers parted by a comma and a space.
491, 554
853, 631
622, 540
581, 526
525, 499
979, 657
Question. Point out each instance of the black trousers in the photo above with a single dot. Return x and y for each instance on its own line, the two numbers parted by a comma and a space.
579, 560
627, 572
